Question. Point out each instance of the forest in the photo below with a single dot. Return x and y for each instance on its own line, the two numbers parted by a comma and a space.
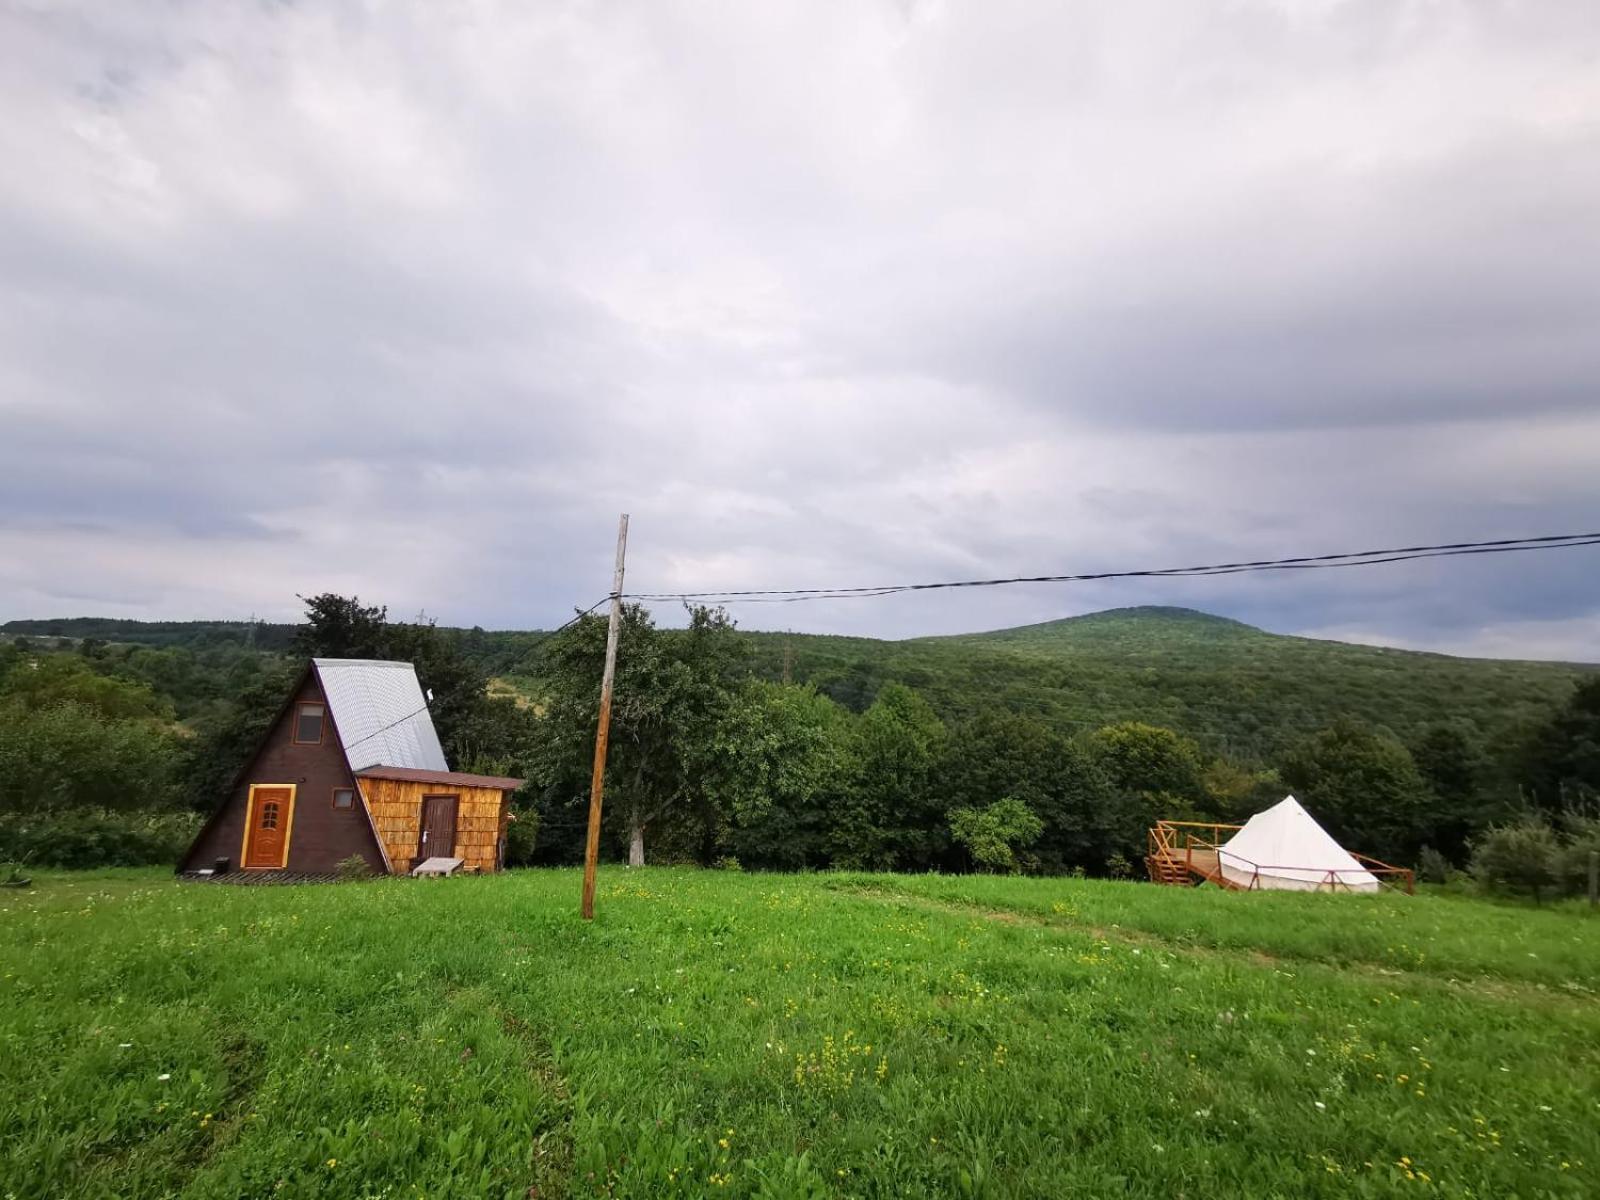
1044, 749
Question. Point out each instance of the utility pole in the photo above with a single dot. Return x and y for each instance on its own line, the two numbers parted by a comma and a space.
597, 782
1594, 878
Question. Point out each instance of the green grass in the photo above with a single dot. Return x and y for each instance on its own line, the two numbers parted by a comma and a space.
850, 1035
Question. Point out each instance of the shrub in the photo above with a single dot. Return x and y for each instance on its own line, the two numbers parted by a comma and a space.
522, 837
993, 835
97, 837
1583, 839
353, 869
1433, 867
1524, 857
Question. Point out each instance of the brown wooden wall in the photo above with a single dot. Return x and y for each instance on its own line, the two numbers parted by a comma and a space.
320, 836
396, 807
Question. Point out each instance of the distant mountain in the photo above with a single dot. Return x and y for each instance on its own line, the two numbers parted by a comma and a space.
1235, 687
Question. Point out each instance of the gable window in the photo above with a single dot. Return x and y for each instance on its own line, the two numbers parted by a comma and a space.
308, 724
344, 797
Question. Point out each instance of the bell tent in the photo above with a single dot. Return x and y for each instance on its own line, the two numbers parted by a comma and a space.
1284, 848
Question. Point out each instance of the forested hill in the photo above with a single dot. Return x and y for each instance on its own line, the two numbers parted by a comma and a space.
1238, 689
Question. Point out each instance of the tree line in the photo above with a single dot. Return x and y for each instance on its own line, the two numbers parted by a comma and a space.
711, 763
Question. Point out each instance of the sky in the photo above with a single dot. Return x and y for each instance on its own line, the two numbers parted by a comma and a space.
410, 300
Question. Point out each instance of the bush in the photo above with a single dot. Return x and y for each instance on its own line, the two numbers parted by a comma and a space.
522, 837
1583, 839
97, 837
1518, 858
1433, 867
993, 835
354, 869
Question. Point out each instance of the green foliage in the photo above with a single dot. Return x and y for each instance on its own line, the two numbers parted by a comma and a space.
1433, 867
83, 837
728, 1034
522, 836
1363, 787
994, 835
67, 755
890, 815
1521, 858
674, 690
353, 869
1562, 760
780, 762
57, 679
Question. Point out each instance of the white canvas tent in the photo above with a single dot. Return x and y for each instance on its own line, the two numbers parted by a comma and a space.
1285, 848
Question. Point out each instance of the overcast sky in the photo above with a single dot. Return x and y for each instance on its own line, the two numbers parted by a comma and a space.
411, 300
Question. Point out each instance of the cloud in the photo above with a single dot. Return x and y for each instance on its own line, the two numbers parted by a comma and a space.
411, 301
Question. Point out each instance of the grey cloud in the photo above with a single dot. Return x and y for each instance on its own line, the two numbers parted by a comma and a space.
412, 300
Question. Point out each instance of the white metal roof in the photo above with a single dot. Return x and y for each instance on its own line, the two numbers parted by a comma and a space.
380, 713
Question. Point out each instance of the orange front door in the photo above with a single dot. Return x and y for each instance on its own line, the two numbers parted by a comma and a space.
267, 840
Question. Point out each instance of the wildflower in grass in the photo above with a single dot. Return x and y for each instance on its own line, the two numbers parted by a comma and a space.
163, 1077
332, 1163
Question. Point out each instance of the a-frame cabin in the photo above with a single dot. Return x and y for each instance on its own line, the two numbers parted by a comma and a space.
352, 766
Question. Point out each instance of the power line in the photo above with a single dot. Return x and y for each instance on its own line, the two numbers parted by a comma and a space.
401, 720
1361, 558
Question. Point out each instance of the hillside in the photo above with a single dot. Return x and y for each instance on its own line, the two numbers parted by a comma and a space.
1237, 688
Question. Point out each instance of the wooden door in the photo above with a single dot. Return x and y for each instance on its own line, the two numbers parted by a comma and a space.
438, 838
267, 841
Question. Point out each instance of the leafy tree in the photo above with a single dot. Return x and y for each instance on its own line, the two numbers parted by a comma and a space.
1524, 857
993, 835
67, 755
891, 816
342, 627
1562, 759
1154, 773
68, 679
781, 763
1363, 786
672, 691
999, 754
1452, 758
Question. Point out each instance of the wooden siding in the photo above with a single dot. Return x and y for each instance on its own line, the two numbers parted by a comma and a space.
322, 835
396, 807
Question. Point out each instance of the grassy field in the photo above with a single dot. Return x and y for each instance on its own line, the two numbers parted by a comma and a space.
831, 1035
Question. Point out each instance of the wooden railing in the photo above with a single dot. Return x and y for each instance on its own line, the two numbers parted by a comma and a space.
1180, 844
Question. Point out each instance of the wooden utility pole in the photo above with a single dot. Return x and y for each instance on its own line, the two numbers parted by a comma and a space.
602, 735
1594, 878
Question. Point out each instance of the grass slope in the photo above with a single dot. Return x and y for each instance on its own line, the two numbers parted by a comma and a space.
800, 1036
1236, 688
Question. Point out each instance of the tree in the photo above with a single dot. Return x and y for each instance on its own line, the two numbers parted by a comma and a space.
780, 763
1154, 773
891, 816
1363, 786
672, 692
998, 754
342, 627
994, 834
1524, 857
1452, 758
1562, 758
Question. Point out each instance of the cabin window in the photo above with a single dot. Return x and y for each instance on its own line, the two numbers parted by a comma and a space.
344, 797
308, 724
